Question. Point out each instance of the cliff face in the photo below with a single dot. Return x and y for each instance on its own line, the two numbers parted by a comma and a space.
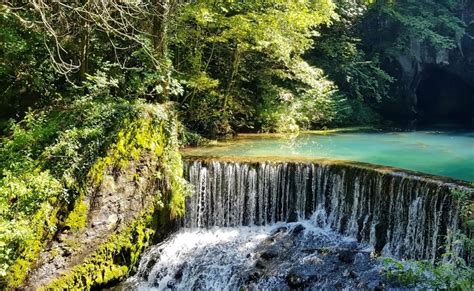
131, 195
117, 217
434, 86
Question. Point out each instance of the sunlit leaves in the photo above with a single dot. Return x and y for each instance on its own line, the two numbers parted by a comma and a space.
237, 52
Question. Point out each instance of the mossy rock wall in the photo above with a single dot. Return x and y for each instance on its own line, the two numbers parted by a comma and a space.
128, 197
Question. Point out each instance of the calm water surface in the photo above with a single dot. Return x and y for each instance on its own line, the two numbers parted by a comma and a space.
449, 154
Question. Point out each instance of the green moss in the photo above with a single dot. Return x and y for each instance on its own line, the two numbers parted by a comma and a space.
179, 187
77, 218
17, 273
113, 260
91, 148
44, 225
132, 140
156, 137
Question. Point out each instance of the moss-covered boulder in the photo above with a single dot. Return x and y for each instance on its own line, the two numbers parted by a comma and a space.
111, 181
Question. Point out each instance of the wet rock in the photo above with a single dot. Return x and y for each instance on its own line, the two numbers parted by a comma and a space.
298, 229
66, 252
268, 255
314, 278
149, 266
295, 281
254, 277
179, 274
380, 287
360, 258
353, 275
61, 237
293, 217
362, 285
279, 230
352, 245
260, 264
346, 256
269, 240
287, 244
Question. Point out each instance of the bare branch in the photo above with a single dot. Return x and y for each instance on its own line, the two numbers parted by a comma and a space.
66, 23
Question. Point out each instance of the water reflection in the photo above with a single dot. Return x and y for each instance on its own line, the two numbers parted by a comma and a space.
435, 152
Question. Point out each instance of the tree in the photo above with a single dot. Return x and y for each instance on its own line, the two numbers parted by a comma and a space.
339, 50
232, 55
391, 26
69, 28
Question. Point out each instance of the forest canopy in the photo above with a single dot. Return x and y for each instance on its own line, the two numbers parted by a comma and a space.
228, 65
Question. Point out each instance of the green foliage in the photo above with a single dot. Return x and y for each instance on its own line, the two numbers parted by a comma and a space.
25, 73
21, 240
452, 275
317, 105
236, 56
43, 163
433, 23
55, 154
356, 75
339, 51
188, 138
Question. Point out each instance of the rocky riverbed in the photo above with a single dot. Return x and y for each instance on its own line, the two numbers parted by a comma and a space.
281, 256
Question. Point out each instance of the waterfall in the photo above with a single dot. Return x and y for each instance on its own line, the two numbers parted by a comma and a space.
406, 216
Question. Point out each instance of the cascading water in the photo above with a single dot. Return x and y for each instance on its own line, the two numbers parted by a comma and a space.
278, 256
293, 224
401, 215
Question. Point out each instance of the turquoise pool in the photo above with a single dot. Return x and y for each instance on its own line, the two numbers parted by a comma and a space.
449, 154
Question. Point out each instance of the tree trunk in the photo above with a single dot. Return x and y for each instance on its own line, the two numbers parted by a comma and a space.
235, 69
160, 28
84, 52
160, 43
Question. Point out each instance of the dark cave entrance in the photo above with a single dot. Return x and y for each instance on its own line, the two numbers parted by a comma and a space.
444, 99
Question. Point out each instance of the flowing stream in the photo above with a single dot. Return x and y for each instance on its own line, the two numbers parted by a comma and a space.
283, 224
278, 256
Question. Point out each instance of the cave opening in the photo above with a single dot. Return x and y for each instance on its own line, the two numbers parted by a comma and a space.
444, 100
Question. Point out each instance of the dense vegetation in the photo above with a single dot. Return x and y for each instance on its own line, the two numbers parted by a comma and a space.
229, 66
74, 75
